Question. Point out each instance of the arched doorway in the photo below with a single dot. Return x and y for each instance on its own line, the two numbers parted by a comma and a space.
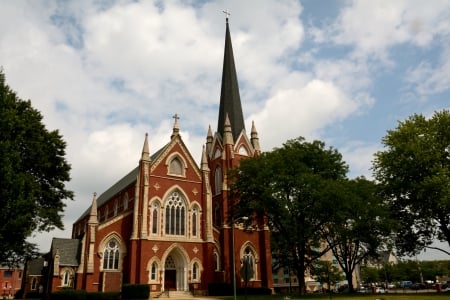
175, 271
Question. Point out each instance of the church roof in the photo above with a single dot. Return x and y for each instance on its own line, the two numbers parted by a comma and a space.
68, 250
35, 266
230, 100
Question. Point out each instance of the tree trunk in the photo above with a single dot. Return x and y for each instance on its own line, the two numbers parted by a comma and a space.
349, 277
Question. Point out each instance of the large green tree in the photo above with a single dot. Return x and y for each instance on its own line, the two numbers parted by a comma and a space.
414, 172
290, 186
33, 172
359, 227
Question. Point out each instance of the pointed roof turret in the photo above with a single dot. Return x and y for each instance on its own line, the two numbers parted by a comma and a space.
227, 134
93, 213
230, 101
209, 140
145, 150
254, 138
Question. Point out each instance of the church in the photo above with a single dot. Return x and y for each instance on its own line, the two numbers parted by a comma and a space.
167, 222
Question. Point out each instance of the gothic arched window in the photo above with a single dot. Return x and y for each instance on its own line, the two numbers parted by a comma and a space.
66, 278
125, 201
249, 260
195, 222
111, 256
218, 180
154, 218
175, 215
33, 283
176, 167
154, 271
216, 261
195, 271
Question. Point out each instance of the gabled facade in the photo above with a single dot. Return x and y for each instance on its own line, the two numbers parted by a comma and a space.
166, 223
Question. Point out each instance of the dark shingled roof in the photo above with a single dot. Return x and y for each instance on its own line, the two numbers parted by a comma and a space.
230, 101
68, 251
35, 266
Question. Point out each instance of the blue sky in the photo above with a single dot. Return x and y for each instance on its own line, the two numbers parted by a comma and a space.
106, 72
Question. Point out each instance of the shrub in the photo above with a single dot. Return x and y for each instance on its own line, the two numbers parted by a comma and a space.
220, 289
135, 291
103, 296
68, 294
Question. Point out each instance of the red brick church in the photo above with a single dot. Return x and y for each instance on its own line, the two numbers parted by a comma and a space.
166, 223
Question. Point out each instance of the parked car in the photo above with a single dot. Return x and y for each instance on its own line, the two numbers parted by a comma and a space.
418, 286
363, 289
406, 284
390, 286
380, 290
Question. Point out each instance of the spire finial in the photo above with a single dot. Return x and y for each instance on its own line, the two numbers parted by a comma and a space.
176, 129
227, 14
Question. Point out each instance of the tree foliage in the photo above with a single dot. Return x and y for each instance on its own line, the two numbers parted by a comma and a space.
358, 227
291, 187
33, 172
414, 172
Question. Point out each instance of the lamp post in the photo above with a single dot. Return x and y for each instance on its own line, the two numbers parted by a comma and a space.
233, 256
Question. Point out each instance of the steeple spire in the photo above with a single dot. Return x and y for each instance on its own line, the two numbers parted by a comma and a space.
230, 101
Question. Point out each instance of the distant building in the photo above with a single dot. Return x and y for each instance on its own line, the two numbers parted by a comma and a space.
33, 282
10, 281
166, 223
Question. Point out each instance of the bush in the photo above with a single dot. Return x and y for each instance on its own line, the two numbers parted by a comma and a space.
220, 289
135, 291
103, 296
69, 294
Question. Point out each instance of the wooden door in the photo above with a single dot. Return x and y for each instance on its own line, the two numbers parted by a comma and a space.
170, 280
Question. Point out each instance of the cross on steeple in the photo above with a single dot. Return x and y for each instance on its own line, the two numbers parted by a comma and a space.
176, 129
227, 13
176, 117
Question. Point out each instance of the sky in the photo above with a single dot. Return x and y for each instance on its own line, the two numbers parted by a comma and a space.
105, 72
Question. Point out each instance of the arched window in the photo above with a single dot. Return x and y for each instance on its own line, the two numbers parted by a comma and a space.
125, 201
176, 167
175, 215
243, 150
154, 271
66, 278
111, 256
33, 283
216, 261
194, 222
195, 272
218, 180
155, 219
248, 260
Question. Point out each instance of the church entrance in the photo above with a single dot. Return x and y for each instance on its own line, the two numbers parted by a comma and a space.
170, 279
176, 271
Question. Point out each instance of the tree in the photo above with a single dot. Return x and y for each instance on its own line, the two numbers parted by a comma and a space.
359, 227
326, 273
32, 175
414, 172
289, 187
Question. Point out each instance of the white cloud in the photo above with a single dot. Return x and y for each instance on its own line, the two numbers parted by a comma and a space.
301, 111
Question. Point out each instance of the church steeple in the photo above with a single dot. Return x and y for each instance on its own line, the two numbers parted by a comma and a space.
230, 101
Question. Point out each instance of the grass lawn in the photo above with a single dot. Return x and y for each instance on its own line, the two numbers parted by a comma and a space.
392, 296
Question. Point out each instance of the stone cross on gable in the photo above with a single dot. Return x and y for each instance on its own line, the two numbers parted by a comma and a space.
176, 117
